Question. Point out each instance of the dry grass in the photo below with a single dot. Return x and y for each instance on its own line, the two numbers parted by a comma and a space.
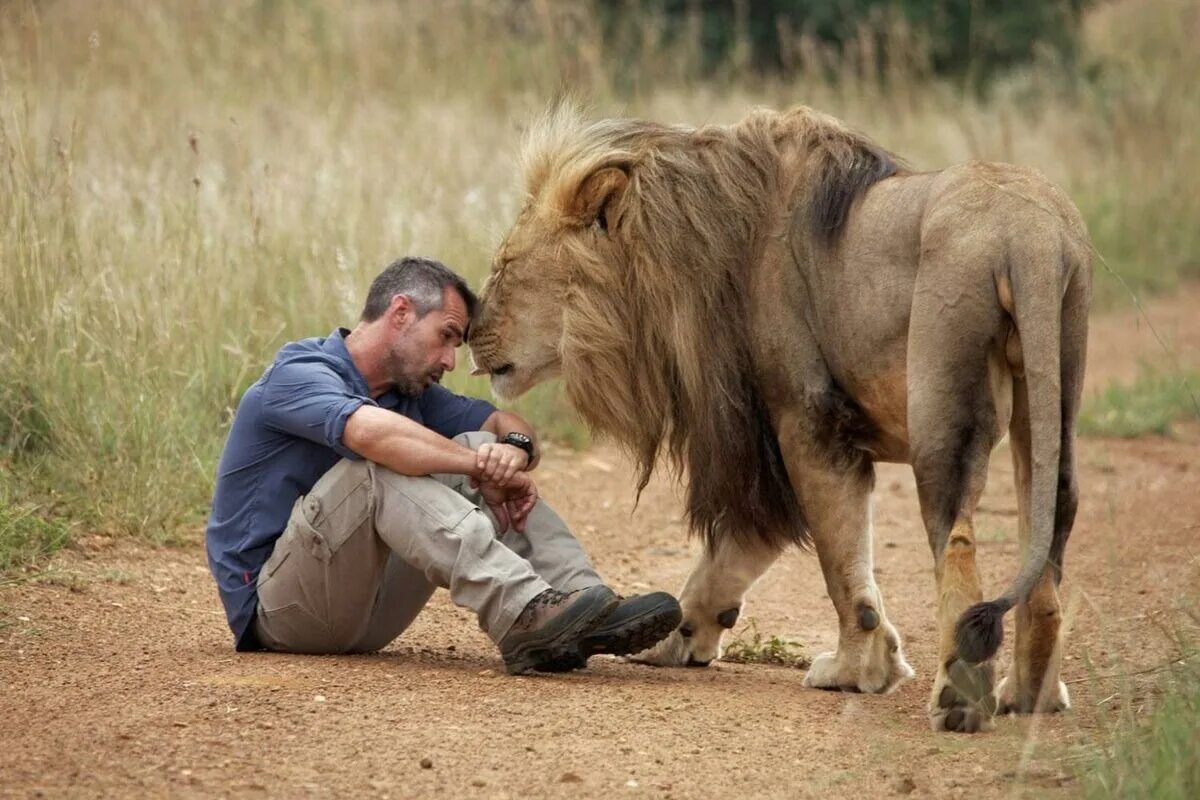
1156, 754
183, 187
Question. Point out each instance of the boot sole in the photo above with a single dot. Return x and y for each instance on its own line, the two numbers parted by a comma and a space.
562, 643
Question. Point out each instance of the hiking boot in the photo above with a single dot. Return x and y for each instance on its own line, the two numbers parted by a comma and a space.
637, 623
550, 626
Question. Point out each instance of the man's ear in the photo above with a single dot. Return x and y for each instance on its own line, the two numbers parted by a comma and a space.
399, 310
599, 197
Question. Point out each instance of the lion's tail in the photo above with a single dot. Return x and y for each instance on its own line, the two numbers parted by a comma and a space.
1040, 278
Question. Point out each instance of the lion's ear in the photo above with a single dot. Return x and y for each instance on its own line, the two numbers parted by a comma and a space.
598, 200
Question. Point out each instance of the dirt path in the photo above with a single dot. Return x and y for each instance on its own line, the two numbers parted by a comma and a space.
117, 677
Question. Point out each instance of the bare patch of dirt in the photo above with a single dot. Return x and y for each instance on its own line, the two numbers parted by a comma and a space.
117, 676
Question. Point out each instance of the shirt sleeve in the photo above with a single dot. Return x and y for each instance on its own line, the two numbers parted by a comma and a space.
451, 414
310, 400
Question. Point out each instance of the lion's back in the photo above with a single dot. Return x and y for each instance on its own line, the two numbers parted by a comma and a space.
1002, 198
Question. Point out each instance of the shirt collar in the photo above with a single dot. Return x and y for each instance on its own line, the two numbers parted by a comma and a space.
335, 345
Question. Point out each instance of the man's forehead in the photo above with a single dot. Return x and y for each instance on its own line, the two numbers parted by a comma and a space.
453, 307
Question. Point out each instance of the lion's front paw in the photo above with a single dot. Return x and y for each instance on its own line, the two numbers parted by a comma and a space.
871, 662
678, 650
826, 672
831, 671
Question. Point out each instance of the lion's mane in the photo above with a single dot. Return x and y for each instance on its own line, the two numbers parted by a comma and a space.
656, 353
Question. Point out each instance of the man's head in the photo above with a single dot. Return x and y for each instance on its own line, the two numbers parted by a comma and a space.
415, 317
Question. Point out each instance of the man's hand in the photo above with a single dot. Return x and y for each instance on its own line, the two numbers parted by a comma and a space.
501, 423
498, 463
511, 503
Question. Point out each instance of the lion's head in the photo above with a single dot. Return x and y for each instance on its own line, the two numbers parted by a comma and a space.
564, 237
627, 272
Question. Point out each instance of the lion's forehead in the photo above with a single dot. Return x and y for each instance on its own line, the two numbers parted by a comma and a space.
532, 234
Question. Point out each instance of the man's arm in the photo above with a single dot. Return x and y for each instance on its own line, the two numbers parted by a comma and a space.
502, 422
404, 446
408, 448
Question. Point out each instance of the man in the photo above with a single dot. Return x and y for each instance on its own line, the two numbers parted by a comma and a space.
353, 484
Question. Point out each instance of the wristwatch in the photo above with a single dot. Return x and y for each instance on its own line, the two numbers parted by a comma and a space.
520, 440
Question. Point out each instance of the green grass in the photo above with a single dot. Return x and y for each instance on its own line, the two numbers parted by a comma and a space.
26, 536
751, 646
1150, 405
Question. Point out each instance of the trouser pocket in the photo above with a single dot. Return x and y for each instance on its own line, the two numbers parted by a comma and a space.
291, 628
286, 620
316, 592
336, 508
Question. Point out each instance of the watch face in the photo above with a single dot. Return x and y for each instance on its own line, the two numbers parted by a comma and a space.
519, 440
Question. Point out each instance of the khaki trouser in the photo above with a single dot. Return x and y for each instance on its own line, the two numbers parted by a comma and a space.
365, 549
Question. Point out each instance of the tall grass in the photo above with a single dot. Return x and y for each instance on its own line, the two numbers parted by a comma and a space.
1153, 755
185, 186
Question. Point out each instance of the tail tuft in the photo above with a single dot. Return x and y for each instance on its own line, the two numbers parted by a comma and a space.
980, 630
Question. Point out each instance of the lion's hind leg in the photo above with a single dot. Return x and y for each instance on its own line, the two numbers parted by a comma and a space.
959, 398
1033, 683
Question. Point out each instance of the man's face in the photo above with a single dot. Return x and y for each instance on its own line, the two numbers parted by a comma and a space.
422, 348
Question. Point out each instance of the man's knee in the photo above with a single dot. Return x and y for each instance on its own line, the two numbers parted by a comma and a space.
474, 439
342, 478
411, 503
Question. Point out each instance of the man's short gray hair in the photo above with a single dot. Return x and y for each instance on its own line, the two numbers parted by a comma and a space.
422, 280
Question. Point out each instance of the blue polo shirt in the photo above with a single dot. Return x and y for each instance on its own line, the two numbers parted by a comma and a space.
286, 434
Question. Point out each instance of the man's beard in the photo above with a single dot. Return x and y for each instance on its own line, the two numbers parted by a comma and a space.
407, 375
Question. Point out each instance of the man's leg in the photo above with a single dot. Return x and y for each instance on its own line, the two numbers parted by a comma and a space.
415, 535
453, 544
315, 591
403, 592
549, 546
546, 543
326, 576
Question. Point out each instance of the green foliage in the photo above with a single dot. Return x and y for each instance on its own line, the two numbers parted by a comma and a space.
963, 37
1152, 404
978, 39
753, 647
26, 536
24, 426
1139, 191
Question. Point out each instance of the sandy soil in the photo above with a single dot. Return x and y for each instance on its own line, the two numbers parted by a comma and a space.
117, 677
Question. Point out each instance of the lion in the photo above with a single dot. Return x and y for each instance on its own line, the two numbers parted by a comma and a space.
773, 306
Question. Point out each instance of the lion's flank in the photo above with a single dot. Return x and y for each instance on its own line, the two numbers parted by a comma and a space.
656, 349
